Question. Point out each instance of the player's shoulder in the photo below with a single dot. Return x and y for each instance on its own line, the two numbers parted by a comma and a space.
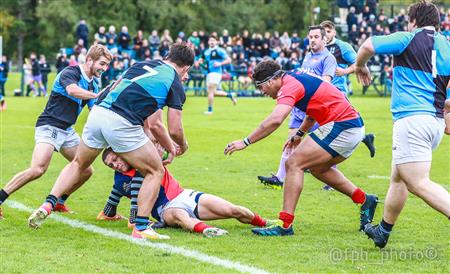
71, 72
343, 44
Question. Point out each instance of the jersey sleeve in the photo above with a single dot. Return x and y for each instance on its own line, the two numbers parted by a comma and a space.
291, 91
223, 54
91, 103
348, 53
392, 44
69, 76
329, 66
176, 96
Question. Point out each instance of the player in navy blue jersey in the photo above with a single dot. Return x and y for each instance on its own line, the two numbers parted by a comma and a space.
74, 87
117, 121
420, 88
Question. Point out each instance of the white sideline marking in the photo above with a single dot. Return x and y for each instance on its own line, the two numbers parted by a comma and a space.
165, 247
379, 177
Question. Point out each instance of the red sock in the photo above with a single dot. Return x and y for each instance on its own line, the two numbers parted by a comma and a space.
286, 218
200, 226
359, 196
258, 221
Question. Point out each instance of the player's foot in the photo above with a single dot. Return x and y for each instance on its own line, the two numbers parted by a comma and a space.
271, 181
212, 232
233, 97
327, 188
369, 140
367, 210
62, 208
131, 225
38, 217
102, 217
271, 223
375, 233
208, 112
148, 233
276, 229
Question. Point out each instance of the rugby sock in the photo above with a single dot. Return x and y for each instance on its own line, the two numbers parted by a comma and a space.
3, 196
281, 173
200, 226
135, 186
386, 227
286, 218
51, 199
133, 213
63, 199
209, 108
258, 221
142, 223
359, 196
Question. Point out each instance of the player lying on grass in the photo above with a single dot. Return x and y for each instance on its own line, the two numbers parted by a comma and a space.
341, 130
175, 206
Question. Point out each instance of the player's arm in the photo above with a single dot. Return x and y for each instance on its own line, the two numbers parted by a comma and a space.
176, 130
226, 61
330, 66
349, 55
295, 139
156, 131
269, 125
447, 111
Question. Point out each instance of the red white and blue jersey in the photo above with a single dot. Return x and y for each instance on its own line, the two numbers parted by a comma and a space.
320, 100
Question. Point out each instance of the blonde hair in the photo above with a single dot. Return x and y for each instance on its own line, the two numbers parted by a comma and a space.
96, 51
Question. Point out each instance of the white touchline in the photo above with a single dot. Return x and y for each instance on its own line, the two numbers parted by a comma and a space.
165, 247
379, 177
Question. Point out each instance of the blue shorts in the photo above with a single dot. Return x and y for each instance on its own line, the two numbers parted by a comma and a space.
296, 119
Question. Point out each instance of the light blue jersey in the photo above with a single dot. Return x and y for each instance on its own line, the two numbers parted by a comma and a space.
345, 56
213, 55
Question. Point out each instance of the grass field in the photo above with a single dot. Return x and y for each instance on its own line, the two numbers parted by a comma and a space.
326, 238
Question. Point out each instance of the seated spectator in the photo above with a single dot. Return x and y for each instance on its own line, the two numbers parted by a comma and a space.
157, 55
203, 37
142, 54
164, 48
353, 35
111, 36
196, 75
154, 40
282, 59
275, 40
166, 37
137, 43
81, 59
238, 48
295, 38
181, 37
123, 39
194, 39
100, 36
225, 39
293, 62
73, 61
78, 47
265, 50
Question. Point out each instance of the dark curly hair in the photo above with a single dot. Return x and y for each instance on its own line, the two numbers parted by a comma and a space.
265, 69
425, 13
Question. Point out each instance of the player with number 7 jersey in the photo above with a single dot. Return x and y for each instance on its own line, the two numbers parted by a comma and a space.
117, 121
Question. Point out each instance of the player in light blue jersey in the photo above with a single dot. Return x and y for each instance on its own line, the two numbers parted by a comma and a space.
215, 58
420, 88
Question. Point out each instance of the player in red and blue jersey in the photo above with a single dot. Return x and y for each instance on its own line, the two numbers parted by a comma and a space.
176, 206
340, 131
421, 84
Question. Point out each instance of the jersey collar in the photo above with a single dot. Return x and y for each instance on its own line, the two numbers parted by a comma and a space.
84, 74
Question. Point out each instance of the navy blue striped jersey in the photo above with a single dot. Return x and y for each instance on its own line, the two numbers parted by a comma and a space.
345, 56
145, 87
62, 110
421, 71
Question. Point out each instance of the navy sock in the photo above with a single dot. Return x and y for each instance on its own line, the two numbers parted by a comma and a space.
63, 199
3, 196
135, 186
386, 227
52, 200
142, 223
210, 108
110, 209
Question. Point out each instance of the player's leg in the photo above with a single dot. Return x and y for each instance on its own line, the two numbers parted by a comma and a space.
180, 217
120, 188
211, 207
40, 160
211, 88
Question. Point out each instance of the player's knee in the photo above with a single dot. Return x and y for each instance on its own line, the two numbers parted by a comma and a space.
418, 187
37, 171
88, 171
295, 164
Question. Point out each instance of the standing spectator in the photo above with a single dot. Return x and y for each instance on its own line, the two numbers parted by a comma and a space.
123, 39
166, 37
100, 36
82, 32
61, 62
36, 76
4, 69
372, 6
154, 40
352, 19
111, 36
343, 9
28, 78
194, 39
45, 70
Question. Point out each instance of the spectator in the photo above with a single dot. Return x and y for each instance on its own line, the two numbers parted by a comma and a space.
203, 37
352, 19
36, 76
138, 40
366, 13
61, 62
343, 5
82, 32
123, 39
78, 47
293, 62
164, 48
73, 61
166, 37
28, 78
225, 40
372, 4
157, 55
111, 36
246, 40
275, 40
196, 75
142, 53
100, 36
154, 40
45, 70
285, 41
282, 60
181, 37
353, 35
81, 59
194, 39
4, 69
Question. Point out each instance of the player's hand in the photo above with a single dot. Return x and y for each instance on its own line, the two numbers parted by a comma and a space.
363, 75
170, 158
234, 146
340, 71
292, 143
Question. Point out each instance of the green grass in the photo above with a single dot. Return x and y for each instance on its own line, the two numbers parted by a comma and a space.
326, 222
